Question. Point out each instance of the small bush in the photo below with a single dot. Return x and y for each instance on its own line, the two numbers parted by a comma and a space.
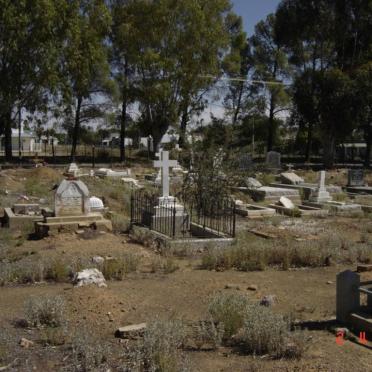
118, 268
89, 354
208, 335
161, 346
167, 266
58, 271
264, 332
45, 311
53, 336
228, 309
120, 223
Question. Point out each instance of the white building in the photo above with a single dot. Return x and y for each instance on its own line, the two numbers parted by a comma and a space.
29, 141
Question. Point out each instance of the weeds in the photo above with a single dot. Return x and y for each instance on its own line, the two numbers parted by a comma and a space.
166, 266
120, 223
45, 311
253, 255
161, 346
118, 268
228, 309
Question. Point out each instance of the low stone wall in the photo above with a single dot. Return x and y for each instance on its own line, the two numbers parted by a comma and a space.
189, 246
14, 221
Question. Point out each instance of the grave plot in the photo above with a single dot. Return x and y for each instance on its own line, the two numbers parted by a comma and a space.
287, 207
254, 211
72, 210
21, 215
177, 221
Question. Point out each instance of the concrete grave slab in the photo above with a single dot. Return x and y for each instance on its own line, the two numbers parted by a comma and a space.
291, 178
254, 211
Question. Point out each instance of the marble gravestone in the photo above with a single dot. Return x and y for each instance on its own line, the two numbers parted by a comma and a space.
273, 160
355, 177
71, 199
321, 195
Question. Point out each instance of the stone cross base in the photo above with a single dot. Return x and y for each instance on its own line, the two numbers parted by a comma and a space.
320, 196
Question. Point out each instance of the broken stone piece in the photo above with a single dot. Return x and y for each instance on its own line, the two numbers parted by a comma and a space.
88, 277
25, 343
268, 301
131, 331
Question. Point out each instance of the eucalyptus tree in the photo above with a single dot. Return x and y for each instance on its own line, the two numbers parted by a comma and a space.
167, 48
84, 62
326, 39
271, 65
237, 65
31, 35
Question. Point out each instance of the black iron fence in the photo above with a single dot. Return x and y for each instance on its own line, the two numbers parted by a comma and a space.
202, 219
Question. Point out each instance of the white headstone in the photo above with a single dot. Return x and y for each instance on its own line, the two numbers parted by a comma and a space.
286, 203
164, 164
72, 170
253, 183
321, 195
96, 204
71, 199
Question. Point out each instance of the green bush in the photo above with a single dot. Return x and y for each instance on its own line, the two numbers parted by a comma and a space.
120, 223
228, 309
118, 268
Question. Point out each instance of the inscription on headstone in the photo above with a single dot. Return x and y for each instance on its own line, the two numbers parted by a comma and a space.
72, 199
356, 177
245, 163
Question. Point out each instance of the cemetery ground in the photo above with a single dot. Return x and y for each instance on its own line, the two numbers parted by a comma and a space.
295, 267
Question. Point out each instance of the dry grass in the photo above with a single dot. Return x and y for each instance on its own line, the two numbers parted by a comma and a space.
45, 311
251, 254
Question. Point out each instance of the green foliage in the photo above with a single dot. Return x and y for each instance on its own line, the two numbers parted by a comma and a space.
118, 268
228, 309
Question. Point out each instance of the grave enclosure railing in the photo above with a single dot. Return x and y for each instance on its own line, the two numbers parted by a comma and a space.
201, 218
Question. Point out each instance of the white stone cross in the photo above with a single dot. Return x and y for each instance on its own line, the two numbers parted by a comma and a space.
164, 164
322, 176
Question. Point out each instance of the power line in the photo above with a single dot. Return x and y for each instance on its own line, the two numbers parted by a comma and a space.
245, 80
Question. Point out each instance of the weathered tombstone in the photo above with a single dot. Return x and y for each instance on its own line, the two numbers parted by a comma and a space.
273, 160
291, 178
168, 203
164, 164
347, 295
245, 163
355, 177
96, 204
72, 170
287, 203
71, 199
253, 183
321, 195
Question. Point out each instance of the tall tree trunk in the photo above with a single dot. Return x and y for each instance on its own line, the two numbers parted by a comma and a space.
123, 121
238, 104
76, 132
183, 126
309, 142
8, 136
329, 149
271, 129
